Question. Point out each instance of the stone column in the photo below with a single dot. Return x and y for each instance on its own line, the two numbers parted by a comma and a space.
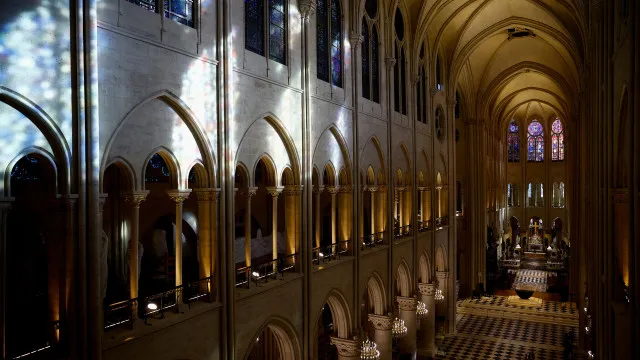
333, 191
274, 192
178, 196
317, 191
396, 211
373, 190
428, 324
5, 206
292, 217
361, 216
401, 207
348, 349
205, 239
381, 208
344, 218
408, 307
422, 217
382, 325
247, 225
134, 199
443, 280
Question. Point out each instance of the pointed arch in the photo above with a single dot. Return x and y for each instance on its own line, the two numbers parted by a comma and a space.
286, 338
329, 175
378, 148
399, 177
171, 161
441, 259
241, 175
200, 175
130, 180
271, 170
46, 155
187, 116
377, 296
340, 311
424, 268
403, 279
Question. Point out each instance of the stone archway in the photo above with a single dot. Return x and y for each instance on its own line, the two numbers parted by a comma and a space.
276, 340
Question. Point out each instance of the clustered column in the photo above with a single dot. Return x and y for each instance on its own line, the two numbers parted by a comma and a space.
428, 325
382, 325
408, 307
247, 226
134, 199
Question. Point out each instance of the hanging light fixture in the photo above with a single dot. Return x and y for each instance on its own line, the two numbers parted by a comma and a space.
439, 297
369, 350
399, 330
421, 310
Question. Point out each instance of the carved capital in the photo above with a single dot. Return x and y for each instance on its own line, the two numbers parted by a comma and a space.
135, 198
372, 189
250, 192
206, 194
179, 196
381, 322
293, 189
318, 189
427, 289
355, 40
400, 188
422, 188
346, 347
382, 188
333, 189
346, 189
274, 191
307, 8
407, 303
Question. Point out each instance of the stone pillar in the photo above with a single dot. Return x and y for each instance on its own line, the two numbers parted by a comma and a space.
373, 190
333, 191
344, 218
396, 211
134, 199
205, 239
428, 324
5, 206
408, 307
274, 192
247, 225
348, 349
361, 216
422, 217
178, 196
443, 281
292, 217
381, 208
401, 207
317, 191
382, 325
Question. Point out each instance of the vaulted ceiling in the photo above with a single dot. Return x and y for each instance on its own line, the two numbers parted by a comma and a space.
500, 77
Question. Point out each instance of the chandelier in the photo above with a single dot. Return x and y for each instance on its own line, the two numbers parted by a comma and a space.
399, 330
421, 310
439, 297
369, 350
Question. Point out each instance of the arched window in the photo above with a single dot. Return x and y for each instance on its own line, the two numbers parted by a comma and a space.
329, 41
180, 11
421, 88
513, 142
535, 195
513, 195
557, 141
257, 18
370, 62
438, 73
535, 142
399, 71
558, 195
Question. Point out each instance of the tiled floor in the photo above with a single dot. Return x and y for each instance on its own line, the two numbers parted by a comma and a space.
495, 338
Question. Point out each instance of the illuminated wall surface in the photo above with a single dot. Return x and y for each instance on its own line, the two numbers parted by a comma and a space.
35, 70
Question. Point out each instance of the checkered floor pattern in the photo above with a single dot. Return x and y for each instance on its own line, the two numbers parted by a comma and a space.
534, 280
501, 301
495, 338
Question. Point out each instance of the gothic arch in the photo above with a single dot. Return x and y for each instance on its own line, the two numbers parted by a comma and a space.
331, 174
241, 169
272, 170
376, 291
285, 333
340, 311
127, 169
31, 150
342, 145
190, 120
424, 268
366, 162
403, 275
200, 174
441, 259
171, 161
60, 151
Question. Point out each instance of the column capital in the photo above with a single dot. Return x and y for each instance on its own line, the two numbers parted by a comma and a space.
381, 322
135, 198
293, 189
333, 189
345, 189
207, 194
401, 188
307, 8
346, 347
407, 303
372, 189
355, 40
422, 188
274, 191
250, 191
318, 189
179, 195
382, 188
427, 289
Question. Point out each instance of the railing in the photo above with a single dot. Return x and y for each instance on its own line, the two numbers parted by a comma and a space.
401, 232
372, 240
122, 313
424, 225
324, 254
442, 221
261, 273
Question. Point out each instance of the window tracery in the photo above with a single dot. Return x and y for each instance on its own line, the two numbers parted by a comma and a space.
257, 18
557, 141
535, 142
370, 60
513, 142
329, 41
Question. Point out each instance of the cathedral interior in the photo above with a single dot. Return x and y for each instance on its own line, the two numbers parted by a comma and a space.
319, 179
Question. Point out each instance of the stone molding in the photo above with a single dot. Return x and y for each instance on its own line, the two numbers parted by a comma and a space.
390, 62
620, 195
382, 188
355, 40
333, 189
345, 189
135, 198
427, 289
307, 8
274, 191
179, 196
372, 189
422, 188
318, 189
293, 189
407, 303
381, 322
400, 188
207, 194
346, 347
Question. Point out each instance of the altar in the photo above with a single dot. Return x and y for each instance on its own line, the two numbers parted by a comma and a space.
535, 244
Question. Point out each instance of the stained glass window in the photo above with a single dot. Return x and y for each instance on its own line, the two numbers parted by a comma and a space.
180, 11
336, 43
322, 40
513, 143
375, 82
399, 70
438, 73
157, 170
254, 26
146, 4
421, 88
396, 81
535, 142
277, 31
403, 81
557, 141
366, 90
27, 169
